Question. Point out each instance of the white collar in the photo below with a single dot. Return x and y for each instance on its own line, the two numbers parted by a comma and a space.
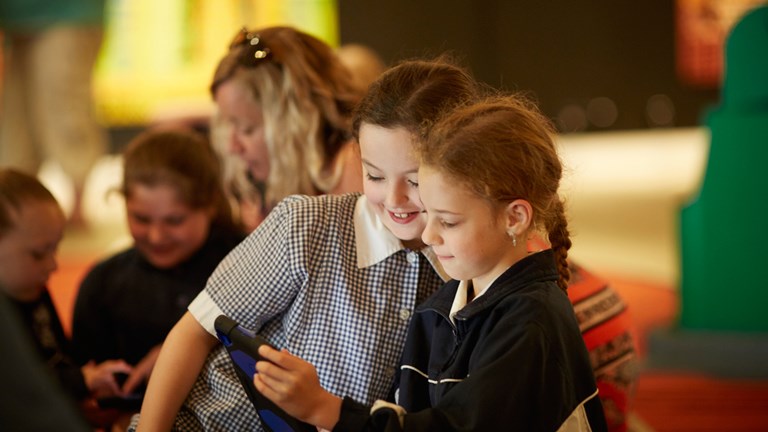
373, 240
460, 300
375, 243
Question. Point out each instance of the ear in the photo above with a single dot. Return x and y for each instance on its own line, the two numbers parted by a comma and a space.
518, 217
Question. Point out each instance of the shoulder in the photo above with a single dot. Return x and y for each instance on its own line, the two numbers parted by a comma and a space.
320, 210
225, 237
119, 261
301, 222
109, 273
541, 304
319, 203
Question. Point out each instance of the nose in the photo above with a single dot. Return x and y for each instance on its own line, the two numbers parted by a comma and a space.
155, 234
397, 194
428, 236
235, 144
50, 265
53, 263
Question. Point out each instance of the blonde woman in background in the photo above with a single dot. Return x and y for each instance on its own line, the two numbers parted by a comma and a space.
284, 108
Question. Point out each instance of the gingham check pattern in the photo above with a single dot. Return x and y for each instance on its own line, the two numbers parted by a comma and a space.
296, 281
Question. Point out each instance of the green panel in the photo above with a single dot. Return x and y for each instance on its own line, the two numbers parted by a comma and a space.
724, 237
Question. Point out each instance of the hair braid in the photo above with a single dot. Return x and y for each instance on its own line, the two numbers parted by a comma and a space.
559, 237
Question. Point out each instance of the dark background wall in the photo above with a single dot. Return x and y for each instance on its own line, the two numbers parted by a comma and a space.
591, 65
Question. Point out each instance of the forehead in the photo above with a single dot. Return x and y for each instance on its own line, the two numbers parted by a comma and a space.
371, 134
434, 187
163, 193
236, 92
37, 221
384, 145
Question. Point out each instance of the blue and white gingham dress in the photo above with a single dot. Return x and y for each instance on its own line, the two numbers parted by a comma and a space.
325, 279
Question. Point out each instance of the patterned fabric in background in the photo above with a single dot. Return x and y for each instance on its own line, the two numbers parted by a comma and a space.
606, 327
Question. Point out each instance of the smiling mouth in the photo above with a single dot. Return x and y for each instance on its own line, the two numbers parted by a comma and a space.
163, 250
403, 217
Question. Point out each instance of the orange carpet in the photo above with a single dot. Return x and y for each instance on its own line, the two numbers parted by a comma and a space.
686, 402
64, 283
665, 402
676, 402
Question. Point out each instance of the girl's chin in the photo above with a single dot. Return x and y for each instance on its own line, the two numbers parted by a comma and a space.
29, 295
165, 259
405, 232
164, 263
410, 236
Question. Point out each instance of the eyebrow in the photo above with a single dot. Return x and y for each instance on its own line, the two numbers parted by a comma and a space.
444, 212
368, 163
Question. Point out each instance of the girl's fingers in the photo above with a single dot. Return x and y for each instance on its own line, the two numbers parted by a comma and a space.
269, 385
269, 353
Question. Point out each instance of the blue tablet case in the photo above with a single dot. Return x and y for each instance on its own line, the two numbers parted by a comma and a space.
242, 346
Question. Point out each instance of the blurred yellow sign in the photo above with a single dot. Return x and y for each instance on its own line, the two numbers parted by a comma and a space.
158, 57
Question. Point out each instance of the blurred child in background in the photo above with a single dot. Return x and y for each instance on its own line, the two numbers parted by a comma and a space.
31, 228
181, 225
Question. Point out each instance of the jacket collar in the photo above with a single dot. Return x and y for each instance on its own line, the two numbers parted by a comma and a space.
536, 267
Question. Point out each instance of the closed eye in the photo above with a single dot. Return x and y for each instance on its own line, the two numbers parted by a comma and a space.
175, 221
38, 256
144, 220
447, 224
41, 254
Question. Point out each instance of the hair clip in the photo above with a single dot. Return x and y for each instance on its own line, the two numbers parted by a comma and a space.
256, 49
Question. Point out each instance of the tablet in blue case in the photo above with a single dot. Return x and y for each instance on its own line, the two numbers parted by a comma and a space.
242, 346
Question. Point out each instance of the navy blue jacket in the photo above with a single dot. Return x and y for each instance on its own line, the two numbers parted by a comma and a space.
514, 360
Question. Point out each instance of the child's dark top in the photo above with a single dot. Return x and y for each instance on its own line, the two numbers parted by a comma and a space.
126, 306
512, 359
30, 399
45, 330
